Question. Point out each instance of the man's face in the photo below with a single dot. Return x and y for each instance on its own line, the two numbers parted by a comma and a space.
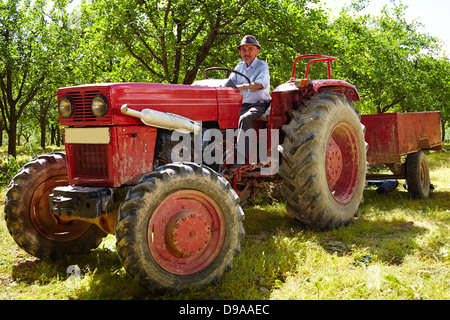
248, 53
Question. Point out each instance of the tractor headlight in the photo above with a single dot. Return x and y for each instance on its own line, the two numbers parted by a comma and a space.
99, 106
65, 107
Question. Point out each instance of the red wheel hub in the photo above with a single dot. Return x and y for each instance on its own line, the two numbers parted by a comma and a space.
186, 232
190, 235
342, 164
45, 222
334, 162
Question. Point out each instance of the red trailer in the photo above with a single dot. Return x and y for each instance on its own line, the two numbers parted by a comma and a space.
392, 136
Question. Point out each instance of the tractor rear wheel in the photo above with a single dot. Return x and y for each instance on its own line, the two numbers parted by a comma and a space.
28, 216
324, 161
179, 227
418, 175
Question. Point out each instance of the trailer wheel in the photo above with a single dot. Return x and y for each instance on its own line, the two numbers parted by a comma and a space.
324, 161
28, 215
418, 175
179, 227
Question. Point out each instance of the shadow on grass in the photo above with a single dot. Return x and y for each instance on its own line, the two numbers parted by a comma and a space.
387, 225
100, 271
275, 245
388, 240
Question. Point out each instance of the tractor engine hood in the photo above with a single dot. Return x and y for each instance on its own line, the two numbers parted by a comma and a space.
194, 102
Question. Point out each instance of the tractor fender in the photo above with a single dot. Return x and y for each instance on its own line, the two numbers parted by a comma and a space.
337, 86
287, 95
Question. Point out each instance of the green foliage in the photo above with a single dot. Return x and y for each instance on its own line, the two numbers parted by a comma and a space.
395, 66
170, 40
10, 165
386, 58
8, 168
31, 51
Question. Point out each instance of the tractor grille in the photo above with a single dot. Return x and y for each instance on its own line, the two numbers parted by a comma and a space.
82, 101
92, 160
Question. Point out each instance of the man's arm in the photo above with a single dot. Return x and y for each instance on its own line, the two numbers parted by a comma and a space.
247, 86
262, 79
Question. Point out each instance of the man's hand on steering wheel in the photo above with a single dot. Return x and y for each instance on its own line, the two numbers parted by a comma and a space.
250, 85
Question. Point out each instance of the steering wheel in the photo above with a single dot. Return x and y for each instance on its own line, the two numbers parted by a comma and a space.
228, 73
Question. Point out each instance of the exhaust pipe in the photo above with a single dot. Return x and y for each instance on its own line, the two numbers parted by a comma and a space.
163, 120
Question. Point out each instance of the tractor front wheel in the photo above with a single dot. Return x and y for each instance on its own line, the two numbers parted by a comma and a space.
179, 227
324, 161
29, 219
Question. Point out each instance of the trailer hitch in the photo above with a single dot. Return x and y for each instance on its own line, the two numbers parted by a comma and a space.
81, 202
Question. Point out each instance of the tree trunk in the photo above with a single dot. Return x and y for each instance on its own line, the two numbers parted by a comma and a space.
12, 135
443, 129
52, 134
58, 136
43, 129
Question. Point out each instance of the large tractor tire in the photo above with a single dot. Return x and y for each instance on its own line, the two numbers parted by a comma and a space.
418, 175
179, 227
28, 216
324, 162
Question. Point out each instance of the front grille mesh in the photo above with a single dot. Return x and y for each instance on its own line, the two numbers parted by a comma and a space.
92, 160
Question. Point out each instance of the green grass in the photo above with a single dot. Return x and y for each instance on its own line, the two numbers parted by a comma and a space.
397, 249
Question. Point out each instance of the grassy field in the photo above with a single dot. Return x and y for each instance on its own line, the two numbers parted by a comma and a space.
397, 249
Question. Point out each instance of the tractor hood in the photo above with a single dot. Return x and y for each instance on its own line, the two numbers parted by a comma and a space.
198, 103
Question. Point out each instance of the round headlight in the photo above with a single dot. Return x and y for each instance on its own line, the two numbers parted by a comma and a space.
65, 107
99, 106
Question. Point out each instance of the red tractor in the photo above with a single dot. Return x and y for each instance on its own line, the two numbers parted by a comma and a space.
179, 224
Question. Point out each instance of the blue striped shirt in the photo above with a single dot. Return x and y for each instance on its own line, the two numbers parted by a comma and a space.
257, 72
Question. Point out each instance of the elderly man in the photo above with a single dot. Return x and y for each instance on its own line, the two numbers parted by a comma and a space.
256, 97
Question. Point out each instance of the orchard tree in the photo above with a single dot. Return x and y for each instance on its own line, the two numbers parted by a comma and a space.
93, 55
433, 85
395, 67
170, 39
174, 40
43, 104
30, 48
286, 30
378, 54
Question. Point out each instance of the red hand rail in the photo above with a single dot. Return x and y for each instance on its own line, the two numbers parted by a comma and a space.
322, 58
